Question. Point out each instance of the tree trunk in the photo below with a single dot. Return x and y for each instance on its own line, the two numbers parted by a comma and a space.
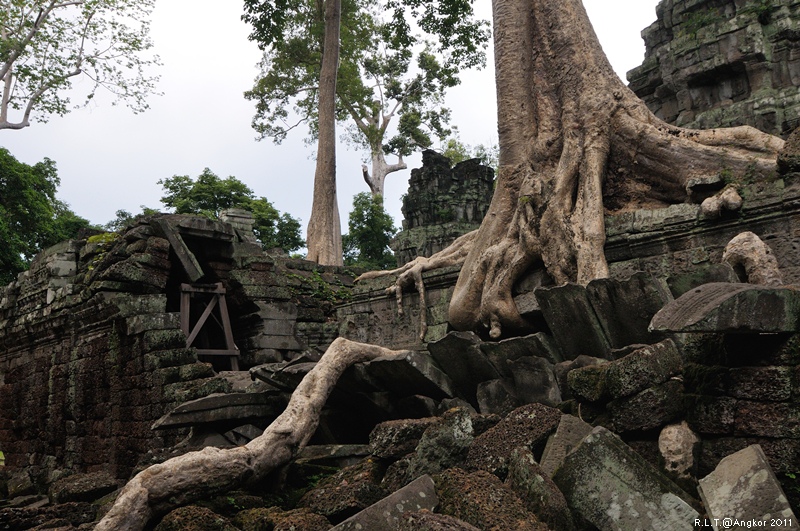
380, 169
324, 234
571, 134
183, 479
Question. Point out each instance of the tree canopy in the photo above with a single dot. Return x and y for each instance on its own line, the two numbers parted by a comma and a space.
208, 195
370, 230
31, 217
387, 74
46, 44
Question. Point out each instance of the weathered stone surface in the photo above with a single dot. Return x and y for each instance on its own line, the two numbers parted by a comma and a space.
278, 520
233, 409
482, 500
537, 491
82, 487
680, 449
460, 357
497, 397
442, 445
563, 369
711, 415
570, 432
624, 308
743, 487
414, 373
418, 495
73, 513
501, 353
589, 383
194, 518
428, 521
766, 419
347, 492
653, 407
725, 307
610, 486
720, 64
749, 256
570, 304
645, 367
525, 426
396, 438
535, 381
703, 274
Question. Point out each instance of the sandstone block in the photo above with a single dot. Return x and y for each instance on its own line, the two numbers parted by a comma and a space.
418, 495
569, 434
744, 488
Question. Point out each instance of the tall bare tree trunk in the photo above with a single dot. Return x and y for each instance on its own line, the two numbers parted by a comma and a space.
380, 170
324, 234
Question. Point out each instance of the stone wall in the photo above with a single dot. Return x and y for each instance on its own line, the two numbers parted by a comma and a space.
442, 203
720, 63
92, 351
667, 242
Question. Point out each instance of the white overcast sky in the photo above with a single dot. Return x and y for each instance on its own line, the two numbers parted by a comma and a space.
110, 159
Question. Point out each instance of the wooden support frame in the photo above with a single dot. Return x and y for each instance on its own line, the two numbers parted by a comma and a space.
217, 293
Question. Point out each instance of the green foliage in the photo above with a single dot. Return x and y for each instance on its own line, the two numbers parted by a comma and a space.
31, 218
370, 230
47, 44
209, 195
695, 21
762, 9
457, 151
385, 71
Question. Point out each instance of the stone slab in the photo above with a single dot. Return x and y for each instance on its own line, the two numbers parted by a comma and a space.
570, 432
624, 308
500, 353
535, 381
460, 357
233, 408
572, 319
612, 487
386, 514
645, 367
415, 373
744, 488
726, 307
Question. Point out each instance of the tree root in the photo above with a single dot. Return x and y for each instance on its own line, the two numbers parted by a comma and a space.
410, 275
186, 478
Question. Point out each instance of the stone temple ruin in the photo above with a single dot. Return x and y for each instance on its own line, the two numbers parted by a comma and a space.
665, 397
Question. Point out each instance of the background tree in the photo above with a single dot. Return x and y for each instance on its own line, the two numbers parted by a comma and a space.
31, 218
208, 195
457, 151
370, 231
45, 44
369, 84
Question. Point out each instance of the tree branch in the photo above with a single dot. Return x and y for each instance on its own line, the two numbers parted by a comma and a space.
186, 478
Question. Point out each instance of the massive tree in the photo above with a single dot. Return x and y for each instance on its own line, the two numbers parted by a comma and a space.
574, 142
46, 44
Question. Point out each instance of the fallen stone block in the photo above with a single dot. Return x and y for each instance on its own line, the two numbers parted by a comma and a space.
588, 383
396, 438
570, 432
502, 352
563, 369
497, 397
648, 366
428, 521
653, 407
679, 447
570, 304
460, 357
528, 426
224, 411
413, 374
482, 500
624, 308
347, 492
725, 307
387, 513
743, 488
612, 487
535, 381
537, 491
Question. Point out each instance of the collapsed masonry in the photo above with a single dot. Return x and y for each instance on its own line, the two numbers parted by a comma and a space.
721, 63
98, 378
